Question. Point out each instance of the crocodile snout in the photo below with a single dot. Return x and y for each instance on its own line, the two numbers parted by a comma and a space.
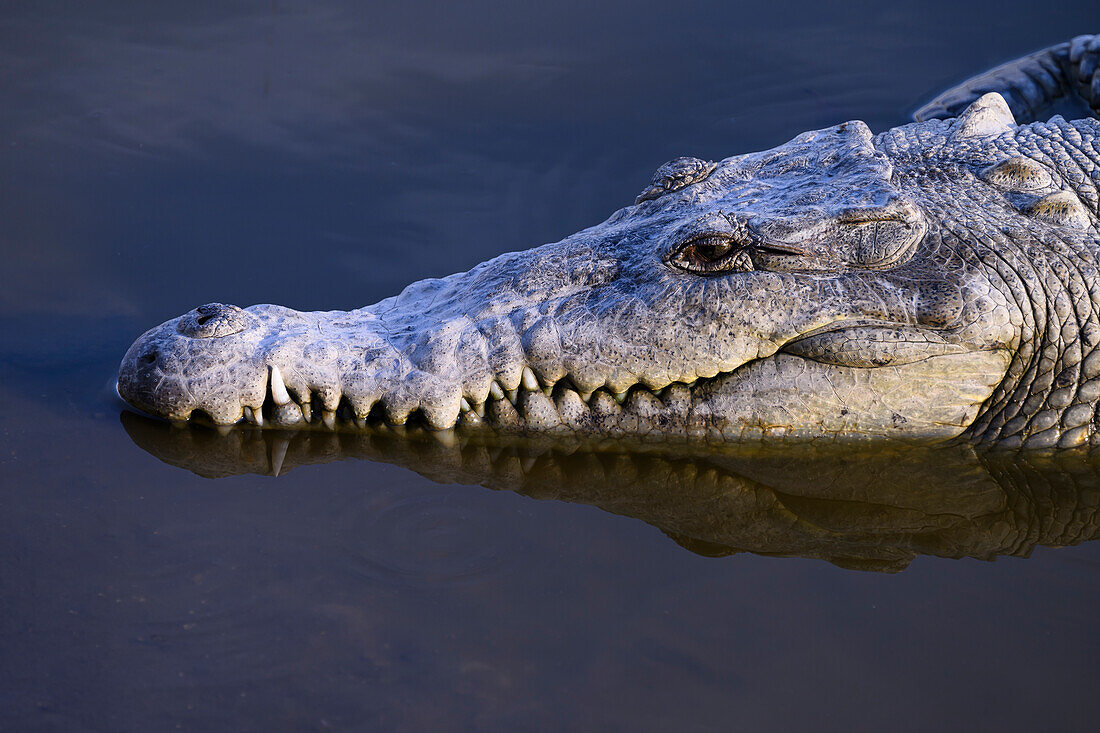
204, 360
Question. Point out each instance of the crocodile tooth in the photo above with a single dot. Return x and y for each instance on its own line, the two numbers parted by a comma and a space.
586, 396
511, 394
620, 397
479, 409
529, 380
307, 409
495, 391
254, 416
464, 405
328, 417
278, 387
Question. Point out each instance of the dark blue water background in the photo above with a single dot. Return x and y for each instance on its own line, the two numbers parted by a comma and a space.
155, 156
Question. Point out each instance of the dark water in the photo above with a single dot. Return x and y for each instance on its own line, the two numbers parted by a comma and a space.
322, 155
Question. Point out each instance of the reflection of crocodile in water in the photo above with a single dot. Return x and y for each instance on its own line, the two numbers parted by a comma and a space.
938, 279
870, 510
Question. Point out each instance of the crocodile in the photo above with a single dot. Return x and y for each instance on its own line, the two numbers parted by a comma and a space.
934, 282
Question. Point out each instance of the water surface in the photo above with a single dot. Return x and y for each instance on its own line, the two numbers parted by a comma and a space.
321, 156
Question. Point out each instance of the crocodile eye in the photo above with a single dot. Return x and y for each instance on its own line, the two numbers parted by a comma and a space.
709, 249
711, 253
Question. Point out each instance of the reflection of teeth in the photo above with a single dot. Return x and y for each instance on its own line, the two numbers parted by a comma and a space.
528, 379
278, 387
445, 437
278, 453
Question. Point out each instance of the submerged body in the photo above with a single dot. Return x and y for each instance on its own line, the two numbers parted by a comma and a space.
934, 281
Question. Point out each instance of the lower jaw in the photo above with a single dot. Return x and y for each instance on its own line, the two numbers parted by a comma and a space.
785, 397
782, 397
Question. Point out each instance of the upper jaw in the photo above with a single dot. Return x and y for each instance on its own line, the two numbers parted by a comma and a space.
531, 367
291, 368
275, 365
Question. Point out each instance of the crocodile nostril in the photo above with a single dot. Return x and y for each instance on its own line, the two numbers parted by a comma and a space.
214, 320
149, 356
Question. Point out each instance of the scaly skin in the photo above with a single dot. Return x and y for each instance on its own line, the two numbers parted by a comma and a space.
936, 281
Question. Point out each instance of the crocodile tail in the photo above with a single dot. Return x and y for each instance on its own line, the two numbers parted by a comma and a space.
1062, 79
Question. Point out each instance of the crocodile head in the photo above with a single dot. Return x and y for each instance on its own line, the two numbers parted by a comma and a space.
837, 286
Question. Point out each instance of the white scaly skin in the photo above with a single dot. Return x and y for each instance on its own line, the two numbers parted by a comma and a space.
839, 286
